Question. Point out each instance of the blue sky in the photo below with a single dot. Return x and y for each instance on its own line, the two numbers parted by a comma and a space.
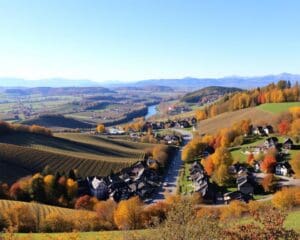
144, 39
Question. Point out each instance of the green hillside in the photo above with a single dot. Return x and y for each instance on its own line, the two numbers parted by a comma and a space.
278, 107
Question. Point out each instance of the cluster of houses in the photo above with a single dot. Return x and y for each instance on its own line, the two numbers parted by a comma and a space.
282, 167
262, 130
138, 180
168, 139
183, 123
245, 183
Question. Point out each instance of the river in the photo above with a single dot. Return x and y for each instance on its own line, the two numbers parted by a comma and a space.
152, 110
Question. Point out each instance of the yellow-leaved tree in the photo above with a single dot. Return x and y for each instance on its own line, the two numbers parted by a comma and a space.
128, 214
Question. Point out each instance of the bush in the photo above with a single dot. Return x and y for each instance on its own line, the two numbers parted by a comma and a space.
55, 222
21, 218
287, 198
4, 222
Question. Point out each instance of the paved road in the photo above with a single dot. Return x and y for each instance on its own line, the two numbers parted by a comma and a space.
170, 181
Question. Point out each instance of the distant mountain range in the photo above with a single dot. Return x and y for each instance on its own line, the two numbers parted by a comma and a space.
187, 83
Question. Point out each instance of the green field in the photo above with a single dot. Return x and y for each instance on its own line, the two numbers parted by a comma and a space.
278, 107
91, 155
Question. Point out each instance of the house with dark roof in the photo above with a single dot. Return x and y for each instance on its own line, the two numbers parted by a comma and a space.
271, 142
245, 184
283, 168
98, 188
288, 144
268, 129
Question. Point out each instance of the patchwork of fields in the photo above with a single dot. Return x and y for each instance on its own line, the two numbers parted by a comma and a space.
24, 153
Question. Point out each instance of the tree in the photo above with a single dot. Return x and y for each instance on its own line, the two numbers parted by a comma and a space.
295, 128
283, 127
84, 202
200, 115
268, 183
100, 128
221, 175
182, 224
160, 154
105, 211
268, 163
72, 188
128, 214
250, 159
295, 163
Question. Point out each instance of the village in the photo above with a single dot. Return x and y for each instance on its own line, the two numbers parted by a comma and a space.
247, 178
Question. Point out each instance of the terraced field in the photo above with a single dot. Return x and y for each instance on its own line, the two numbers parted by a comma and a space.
91, 155
41, 210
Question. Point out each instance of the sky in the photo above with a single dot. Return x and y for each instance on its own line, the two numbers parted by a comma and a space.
129, 40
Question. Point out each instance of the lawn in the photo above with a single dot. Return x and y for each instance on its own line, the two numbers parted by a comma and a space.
278, 107
185, 185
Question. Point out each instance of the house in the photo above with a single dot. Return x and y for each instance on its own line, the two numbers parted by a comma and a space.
245, 184
98, 188
268, 129
259, 131
256, 166
184, 124
282, 168
271, 142
193, 121
288, 144
237, 195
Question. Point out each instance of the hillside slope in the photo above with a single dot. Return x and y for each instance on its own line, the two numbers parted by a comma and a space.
208, 94
58, 121
257, 116
91, 155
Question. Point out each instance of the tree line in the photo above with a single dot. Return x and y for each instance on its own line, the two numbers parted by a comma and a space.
283, 91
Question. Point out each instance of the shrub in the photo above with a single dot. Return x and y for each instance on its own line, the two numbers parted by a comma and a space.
287, 198
55, 222
22, 218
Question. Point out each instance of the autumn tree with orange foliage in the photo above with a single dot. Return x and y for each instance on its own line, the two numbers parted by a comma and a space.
250, 159
217, 166
268, 163
283, 127
268, 183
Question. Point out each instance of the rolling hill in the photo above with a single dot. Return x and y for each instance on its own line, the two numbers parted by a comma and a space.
257, 116
58, 121
27, 153
208, 94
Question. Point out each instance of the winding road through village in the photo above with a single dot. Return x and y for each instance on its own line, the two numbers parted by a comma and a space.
170, 181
